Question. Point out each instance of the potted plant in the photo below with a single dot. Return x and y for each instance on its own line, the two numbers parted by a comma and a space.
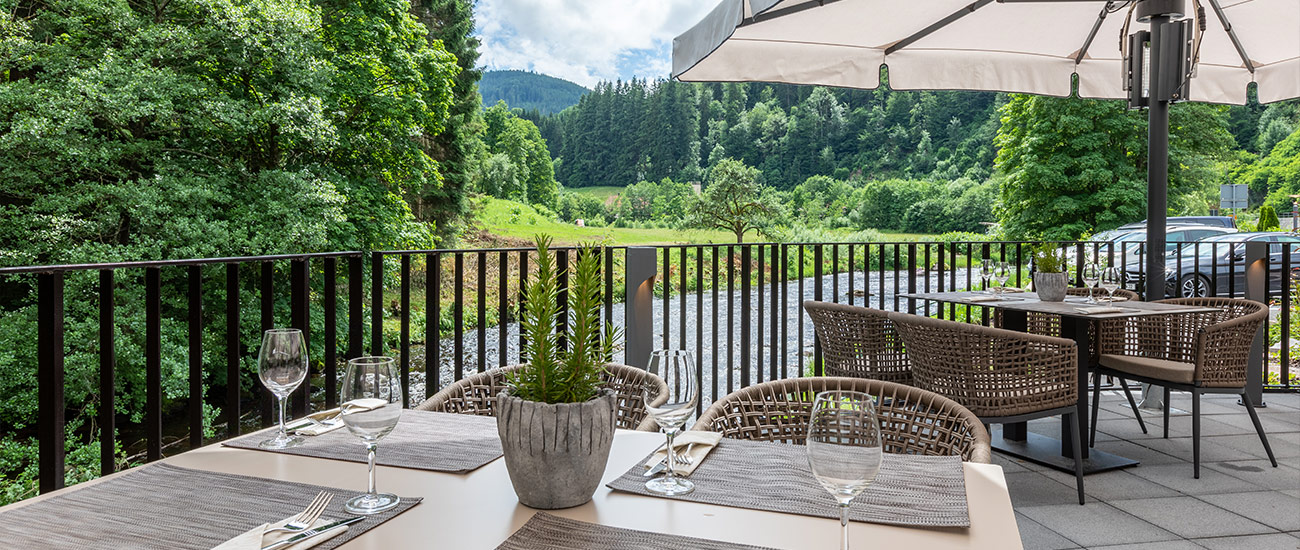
1050, 278
556, 421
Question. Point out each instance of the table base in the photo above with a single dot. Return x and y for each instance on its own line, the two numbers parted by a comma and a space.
1046, 451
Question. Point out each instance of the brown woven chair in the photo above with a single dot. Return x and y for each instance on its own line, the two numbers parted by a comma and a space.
1048, 324
477, 394
1193, 352
1002, 376
859, 342
912, 421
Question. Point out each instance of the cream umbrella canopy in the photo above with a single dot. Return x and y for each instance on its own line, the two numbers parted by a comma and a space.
1045, 47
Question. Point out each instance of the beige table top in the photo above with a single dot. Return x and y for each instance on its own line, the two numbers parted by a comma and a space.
479, 510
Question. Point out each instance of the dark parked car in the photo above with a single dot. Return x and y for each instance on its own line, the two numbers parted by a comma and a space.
1217, 221
1228, 254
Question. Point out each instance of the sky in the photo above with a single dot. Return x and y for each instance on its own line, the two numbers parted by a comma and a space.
584, 41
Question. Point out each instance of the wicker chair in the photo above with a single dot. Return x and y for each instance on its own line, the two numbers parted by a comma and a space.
477, 394
859, 342
1193, 352
913, 421
1050, 325
1002, 376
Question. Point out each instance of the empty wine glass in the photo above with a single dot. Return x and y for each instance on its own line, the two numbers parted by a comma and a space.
1112, 278
282, 366
677, 368
1002, 272
1091, 276
844, 447
373, 384
986, 273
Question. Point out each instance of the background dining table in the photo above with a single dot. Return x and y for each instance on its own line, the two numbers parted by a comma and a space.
1015, 439
479, 510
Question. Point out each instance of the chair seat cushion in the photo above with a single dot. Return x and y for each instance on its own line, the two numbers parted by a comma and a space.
1150, 367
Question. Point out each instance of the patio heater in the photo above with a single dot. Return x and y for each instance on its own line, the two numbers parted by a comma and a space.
1158, 67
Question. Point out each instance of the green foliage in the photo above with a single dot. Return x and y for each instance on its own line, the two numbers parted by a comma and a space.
1048, 259
572, 374
1274, 177
884, 204
733, 201
518, 166
1267, 219
666, 201
529, 91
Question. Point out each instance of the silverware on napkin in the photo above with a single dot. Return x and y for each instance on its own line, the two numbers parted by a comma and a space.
312, 533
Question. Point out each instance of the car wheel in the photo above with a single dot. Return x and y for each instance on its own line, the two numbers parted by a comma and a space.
1194, 286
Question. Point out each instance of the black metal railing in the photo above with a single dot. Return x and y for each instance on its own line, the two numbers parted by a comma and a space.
736, 305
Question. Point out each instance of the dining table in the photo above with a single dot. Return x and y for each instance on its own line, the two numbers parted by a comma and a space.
1015, 439
478, 510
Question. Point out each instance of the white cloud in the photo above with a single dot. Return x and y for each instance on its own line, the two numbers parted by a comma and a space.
585, 41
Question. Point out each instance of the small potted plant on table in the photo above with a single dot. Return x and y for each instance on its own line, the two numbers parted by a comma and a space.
1050, 278
555, 420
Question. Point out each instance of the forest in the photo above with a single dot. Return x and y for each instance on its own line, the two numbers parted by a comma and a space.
529, 91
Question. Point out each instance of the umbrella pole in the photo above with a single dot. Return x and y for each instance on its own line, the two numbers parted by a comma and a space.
1157, 166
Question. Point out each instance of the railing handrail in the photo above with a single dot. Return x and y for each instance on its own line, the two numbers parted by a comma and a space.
58, 268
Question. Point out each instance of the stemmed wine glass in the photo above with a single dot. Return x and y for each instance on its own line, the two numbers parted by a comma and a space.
1091, 276
374, 382
1112, 278
282, 366
1002, 272
986, 273
677, 368
844, 447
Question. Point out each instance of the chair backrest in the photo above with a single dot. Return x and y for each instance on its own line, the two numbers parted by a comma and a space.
1218, 342
991, 371
859, 342
913, 421
477, 394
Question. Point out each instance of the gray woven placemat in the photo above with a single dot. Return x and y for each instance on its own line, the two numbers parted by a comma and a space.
164, 506
921, 491
546, 532
422, 440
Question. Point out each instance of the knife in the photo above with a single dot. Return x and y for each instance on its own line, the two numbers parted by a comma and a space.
312, 533
661, 466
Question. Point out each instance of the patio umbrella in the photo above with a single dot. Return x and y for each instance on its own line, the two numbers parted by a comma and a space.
1045, 47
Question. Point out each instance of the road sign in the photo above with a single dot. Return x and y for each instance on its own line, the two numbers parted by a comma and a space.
1233, 195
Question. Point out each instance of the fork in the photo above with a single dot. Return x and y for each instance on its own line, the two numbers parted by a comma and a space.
684, 457
303, 521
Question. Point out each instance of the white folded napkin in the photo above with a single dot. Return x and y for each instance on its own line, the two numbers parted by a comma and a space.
1115, 299
256, 538
1012, 290
332, 419
703, 443
984, 299
1094, 310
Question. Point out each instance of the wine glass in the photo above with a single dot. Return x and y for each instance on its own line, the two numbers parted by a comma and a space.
986, 273
844, 447
1112, 278
1002, 272
373, 384
282, 366
1091, 276
677, 368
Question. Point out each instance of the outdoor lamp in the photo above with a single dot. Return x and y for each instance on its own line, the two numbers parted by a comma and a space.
1167, 76
640, 286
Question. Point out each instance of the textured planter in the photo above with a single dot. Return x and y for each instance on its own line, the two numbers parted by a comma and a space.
1051, 286
556, 454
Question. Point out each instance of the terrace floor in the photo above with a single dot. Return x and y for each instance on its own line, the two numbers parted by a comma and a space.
1240, 502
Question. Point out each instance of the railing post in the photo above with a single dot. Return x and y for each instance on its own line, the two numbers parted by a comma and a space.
49, 381
377, 303
1256, 289
639, 305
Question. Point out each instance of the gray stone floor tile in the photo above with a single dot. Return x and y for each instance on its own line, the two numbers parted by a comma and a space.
1187, 517
1276, 541
1283, 444
1259, 472
1143, 451
1127, 428
1292, 492
1036, 489
1212, 450
1096, 524
1164, 545
1114, 485
1179, 478
1009, 464
1033, 536
1272, 508
1273, 422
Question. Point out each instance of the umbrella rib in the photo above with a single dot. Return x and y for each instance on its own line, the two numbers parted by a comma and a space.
1087, 43
1232, 35
773, 14
977, 4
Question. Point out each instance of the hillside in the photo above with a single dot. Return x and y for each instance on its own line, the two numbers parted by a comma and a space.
528, 91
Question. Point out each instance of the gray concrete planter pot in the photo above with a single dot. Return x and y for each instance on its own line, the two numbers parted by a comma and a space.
556, 454
1051, 286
